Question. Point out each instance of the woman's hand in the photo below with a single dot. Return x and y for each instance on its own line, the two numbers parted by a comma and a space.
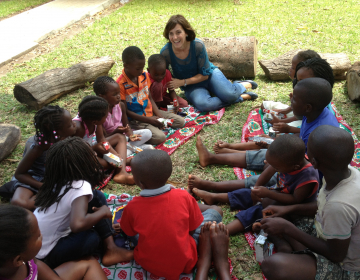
175, 83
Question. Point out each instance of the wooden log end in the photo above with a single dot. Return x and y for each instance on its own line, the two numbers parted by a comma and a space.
25, 97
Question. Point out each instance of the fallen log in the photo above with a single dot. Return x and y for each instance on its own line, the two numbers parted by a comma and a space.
236, 57
277, 69
353, 81
54, 83
9, 138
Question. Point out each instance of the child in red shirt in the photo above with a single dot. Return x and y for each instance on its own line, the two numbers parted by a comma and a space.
168, 220
159, 77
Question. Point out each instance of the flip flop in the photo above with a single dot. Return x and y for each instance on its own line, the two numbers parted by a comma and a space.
253, 95
254, 85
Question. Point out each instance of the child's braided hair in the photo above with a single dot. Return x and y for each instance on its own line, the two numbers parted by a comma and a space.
47, 121
320, 67
67, 161
14, 232
93, 108
100, 84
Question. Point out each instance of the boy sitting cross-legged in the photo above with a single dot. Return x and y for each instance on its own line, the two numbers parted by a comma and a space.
167, 220
331, 251
297, 182
135, 94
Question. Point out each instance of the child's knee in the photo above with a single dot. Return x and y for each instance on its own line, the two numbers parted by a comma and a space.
218, 209
271, 267
157, 138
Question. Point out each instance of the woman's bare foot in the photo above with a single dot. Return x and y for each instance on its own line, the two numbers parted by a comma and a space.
204, 154
124, 178
195, 182
247, 85
219, 235
114, 254
219, 145
204, 251
208, 197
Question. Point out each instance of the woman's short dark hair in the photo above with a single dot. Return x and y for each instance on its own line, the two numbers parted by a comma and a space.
179, 19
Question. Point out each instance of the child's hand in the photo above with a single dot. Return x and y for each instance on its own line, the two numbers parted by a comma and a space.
284, 111
262, 144
281, 128
117, 228
275, 226
135, 137
104, 210
274, 120
153, 121
123, 129
255, 198
260, 192
276, 211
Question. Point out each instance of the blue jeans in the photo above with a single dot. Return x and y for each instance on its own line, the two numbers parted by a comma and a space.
226, 93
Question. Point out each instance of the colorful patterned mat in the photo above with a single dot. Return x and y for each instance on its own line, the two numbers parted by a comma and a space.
132, 270
255, 125
194, 122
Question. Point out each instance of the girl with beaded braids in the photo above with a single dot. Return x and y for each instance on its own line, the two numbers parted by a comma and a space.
52, 124
93, 111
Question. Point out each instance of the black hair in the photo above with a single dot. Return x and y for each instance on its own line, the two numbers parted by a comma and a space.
331, 146
287, 148
156, 59
154, 167
93, 108
132, 53
315, 91
101, 83
320, 67
47, 120
15, 232
67, 161
308, 54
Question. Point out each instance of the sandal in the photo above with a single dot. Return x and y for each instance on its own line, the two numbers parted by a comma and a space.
254, 85
253, 95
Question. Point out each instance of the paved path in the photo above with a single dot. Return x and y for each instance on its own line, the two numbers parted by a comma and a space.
22, 33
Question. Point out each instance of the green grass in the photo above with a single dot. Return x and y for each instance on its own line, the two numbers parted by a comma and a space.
279, 26
9, 7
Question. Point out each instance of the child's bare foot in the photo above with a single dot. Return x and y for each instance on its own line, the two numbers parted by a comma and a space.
204, 251
204, 154
219, 145
195, 182
114, 254
208, 197
124, 178
219, 235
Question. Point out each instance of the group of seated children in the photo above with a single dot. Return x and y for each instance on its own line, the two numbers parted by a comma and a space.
58, 174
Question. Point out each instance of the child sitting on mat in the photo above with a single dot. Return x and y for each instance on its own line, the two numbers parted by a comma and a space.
52, 124
21, 240
93, 111
73, 217
309, 100
331, 250
116, 120
297, 182
168, 220
160, 91
135, 94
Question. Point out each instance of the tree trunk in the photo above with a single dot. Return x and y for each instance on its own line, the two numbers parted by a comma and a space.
54, 83
278, 69
353, 81
236, 56
9, 138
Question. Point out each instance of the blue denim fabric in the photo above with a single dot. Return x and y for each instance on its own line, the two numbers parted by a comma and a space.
210, 215
226, 93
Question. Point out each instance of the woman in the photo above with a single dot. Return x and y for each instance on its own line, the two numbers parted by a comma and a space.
195, 74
